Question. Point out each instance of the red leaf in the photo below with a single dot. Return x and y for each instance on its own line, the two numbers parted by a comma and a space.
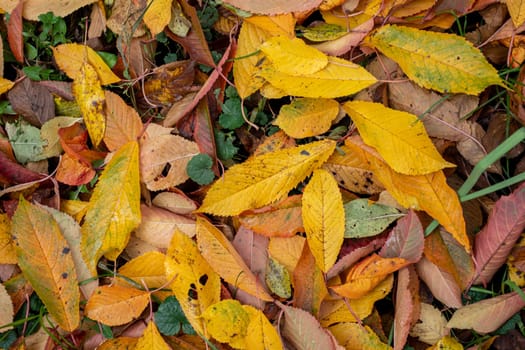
15, 173
406, 240
407, 305
441, 283
495, 241
14, 32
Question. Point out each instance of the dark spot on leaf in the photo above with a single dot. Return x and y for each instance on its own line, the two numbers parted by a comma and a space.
192, 294
64, 275
203, 279
66, 250
305, 153
166, 169
193, 286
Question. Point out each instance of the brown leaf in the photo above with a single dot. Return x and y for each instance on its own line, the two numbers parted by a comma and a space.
33, 101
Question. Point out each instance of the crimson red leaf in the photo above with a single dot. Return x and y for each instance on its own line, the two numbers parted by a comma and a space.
495, 241
14, 32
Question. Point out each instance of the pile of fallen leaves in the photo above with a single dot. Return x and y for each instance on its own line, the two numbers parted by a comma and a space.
316, 174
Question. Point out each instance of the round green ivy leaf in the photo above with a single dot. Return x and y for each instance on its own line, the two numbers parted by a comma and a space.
199, 169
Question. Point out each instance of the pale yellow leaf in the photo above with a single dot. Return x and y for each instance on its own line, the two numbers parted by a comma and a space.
224, 259
35, 8
261, 333
49, 133
44, 257
323, 218
151, 339
354, 336
306, 117
90, 99
264, 179
71, 57
517, 11
228, 322
398, 136
245, 64
275, 25
339, 78
123, 123
177, 203
114, 207
157, 15
6, 309
146, 269
194, 283
430, 192
116, 305
293, 56
432, 325
159, 149
7, 249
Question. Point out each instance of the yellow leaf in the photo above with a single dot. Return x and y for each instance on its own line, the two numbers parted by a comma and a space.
398, 136
228, 322
71, 57
264, 179
354, 336
157, 15
323, 218
147, 269
116, 305
430, 192
439, 61
90, 99
245, 64
367, 274
306, 117
151, 339
446, 343
123, 123
5, 85
337, 311
114, 207
261, 333
275, 25
195, 285
293, 56
45, 259
159, 149
517, 11
7, 249
287, 250
224, 259
339, 78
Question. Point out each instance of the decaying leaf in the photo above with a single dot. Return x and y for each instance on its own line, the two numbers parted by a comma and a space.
433, 325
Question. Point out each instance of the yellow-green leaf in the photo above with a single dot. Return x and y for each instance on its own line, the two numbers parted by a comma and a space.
71, 57
429, 192
261, 333
517, 11
151, 339
339, 78
157, 15
264, 179
116, 305
306, 117
224, 259
228, 322
323, 218
45, 259
439, 61
194, 283
399, 137
114, 207
293, 56
245, 65
90, 99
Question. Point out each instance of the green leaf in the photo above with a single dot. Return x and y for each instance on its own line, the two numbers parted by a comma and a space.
231, 116
439, 61
26, 141
170, 318
278, 279
199, 169
365, 219
225, 147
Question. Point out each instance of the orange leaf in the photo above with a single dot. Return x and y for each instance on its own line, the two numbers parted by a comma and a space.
429, 192
7, 248
224, 259
367, 274
44, 257
73, 171
116, 305
123, 123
